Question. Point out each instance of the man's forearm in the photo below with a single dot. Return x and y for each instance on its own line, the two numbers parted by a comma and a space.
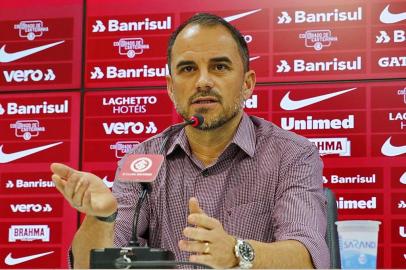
281, 254
91, 234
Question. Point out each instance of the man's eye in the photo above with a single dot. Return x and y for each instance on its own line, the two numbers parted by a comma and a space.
220, 67
187, 69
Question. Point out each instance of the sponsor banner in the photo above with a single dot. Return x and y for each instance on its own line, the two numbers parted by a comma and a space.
135, 102
106, 176
31, 207
340, 146
388, 61
389, 121
243, 19
324, 64
33, 233
388, 97
319, 97
128, 128
108, 150
30, 258
36, 29
30, 106
389, 13
126, 47
398, 257
34, 129
359, 203
398, 231
331, 15
319, 40
261, 65
130, 73
316, 122
136, 24
259, 101
35, 152
391, 145
351, 178
388, 37
18, 52
27, 183
258, 42
398, 177
44, 74
398, 203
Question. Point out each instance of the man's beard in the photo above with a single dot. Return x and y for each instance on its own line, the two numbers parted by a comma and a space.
211, 124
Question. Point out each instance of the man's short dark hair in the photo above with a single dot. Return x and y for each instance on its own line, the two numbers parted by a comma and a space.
207, 19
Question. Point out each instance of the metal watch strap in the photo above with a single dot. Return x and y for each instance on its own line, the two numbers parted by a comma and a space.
108, 219
243, 263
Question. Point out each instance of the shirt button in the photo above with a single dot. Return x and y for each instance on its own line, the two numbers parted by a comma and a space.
205, 173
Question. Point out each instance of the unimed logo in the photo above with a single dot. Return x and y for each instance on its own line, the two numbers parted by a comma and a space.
343, 203
290, 123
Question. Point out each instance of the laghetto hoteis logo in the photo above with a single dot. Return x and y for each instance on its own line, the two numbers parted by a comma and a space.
130, 104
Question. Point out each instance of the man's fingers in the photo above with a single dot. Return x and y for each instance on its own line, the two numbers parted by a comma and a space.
193, 246
194, 207
198, 234
62, 170
59, 183
70, 186
77, 198
204, 221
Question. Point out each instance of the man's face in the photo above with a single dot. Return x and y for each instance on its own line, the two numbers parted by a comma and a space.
208, 75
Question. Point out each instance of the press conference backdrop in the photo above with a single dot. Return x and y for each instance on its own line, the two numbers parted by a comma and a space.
83, 82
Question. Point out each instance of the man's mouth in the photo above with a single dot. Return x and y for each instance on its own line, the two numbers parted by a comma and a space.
204, 100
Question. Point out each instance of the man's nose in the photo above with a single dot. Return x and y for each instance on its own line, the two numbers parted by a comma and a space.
204, 82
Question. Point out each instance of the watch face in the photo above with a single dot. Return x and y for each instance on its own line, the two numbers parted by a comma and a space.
246, 252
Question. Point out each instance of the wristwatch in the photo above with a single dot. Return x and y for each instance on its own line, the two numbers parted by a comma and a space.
244, 253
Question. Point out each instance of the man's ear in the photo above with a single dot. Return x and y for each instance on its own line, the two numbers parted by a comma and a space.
249, 83
169, 87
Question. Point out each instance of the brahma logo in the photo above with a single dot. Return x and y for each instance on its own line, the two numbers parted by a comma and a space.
389, 17
356, 204
146, 24
43, 108
27, 208
393, 61
333, 146
290, 123
120, 128
123, 147
300, 65
31, 29
27, 129
130, 46
26, 75
318, 39
301, 16
28, 233
398, 36
113, 72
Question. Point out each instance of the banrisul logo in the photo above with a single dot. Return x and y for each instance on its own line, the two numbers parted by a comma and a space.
335, 15
147, 24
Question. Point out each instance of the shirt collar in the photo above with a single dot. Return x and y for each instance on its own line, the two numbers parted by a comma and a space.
244, 138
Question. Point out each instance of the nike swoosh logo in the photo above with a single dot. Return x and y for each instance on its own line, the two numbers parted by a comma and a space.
238, 16
389, 17
108, 183
289, 104
6, 57
403, 178
4, 158
13, 261
389, 150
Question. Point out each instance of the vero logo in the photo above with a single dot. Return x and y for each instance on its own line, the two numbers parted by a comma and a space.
27, 208
34, 75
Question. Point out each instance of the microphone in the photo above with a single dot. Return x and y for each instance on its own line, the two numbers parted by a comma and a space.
195, 121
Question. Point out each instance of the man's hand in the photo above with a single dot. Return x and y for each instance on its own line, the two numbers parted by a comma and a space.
84, 191
208, 239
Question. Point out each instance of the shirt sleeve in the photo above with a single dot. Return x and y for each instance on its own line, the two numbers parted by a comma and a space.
300, 210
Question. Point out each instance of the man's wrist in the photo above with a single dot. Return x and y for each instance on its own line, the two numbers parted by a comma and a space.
108, 219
